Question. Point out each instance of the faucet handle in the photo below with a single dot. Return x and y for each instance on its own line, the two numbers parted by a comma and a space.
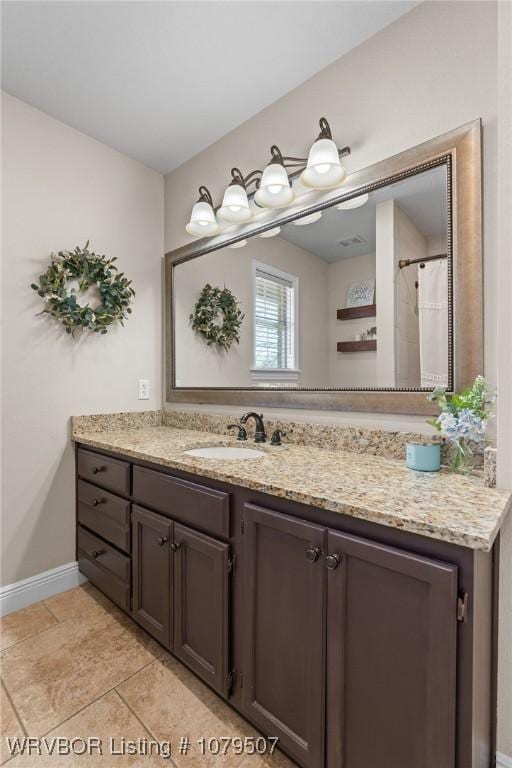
242, 434
276, 437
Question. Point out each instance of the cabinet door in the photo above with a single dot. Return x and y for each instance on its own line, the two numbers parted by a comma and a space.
152, 573
391, 654
201, 601
284, 631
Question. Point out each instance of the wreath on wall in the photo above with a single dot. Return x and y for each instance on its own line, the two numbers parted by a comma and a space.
217, 317
88, 270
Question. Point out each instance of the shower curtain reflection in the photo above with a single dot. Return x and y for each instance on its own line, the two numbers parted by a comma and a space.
433, 319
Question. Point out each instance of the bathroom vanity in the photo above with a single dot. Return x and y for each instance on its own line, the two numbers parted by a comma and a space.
338, 601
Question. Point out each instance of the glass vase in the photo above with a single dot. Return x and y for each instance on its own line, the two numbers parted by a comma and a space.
463, 460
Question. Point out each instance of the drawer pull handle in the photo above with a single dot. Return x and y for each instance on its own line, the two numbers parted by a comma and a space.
96, 502
161, 540
312, 554
95, 470
175, 545
97, 552
332, 562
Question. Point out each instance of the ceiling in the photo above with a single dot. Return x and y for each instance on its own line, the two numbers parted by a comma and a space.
421, 197
160, 81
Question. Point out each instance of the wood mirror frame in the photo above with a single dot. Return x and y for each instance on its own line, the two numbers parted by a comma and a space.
460, 150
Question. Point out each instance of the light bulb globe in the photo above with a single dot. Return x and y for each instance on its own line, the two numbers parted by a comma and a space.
235, 205
324, 169
202, 220
274, 190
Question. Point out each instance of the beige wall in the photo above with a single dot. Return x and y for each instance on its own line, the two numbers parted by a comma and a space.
60, 188
436, 244
198, 364
357, 369
398, 348
385, 292
504, 331
409, 243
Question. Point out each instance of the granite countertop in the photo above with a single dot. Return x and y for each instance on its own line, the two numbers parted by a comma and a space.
441, 505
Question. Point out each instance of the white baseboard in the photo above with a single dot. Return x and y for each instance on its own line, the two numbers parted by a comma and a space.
19, 595
502, 761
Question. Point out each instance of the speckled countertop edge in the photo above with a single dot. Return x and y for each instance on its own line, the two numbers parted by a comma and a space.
442, 505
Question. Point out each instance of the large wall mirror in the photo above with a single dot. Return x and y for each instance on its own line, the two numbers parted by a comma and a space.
359, 301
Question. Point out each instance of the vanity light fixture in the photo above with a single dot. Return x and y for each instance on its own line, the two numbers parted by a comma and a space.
324, 169
355, 202
202, 220
271, 232
308, 219
321, 170
274, 189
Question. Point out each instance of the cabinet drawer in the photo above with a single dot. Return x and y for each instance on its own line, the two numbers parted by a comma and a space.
105, 514
105, 471
196, 505
104, 555
118, 591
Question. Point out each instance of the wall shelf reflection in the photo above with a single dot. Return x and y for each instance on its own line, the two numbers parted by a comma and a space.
368, 345
349, 313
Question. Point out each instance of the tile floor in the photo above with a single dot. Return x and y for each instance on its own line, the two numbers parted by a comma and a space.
74, 666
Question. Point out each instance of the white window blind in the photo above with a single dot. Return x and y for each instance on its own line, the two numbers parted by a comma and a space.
274, 321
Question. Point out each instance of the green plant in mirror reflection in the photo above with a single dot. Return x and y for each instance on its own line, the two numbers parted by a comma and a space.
217, 317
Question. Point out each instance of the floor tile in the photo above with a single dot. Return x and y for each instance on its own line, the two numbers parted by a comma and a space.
105, 719
173, 703
80, 602
50, 676
22, 624
10, 725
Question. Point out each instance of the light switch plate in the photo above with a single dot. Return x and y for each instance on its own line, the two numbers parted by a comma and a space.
143, 389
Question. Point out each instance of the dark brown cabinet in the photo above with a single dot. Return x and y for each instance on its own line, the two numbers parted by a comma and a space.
379, 620
104, 471
354, 644
181, 593
391, 657
201, 605
188, 503
105, 514
152, 573
284, 631
105, 567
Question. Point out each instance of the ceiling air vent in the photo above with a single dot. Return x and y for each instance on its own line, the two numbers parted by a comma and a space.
354, 240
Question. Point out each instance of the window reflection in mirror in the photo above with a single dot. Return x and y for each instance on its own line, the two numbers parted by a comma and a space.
357, 298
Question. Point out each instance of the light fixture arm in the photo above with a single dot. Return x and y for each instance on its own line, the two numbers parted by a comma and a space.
325, 129
291, 162
237, 177
325, 133
205, 196
276, 155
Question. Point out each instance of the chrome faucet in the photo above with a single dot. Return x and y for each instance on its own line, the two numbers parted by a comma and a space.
260, 435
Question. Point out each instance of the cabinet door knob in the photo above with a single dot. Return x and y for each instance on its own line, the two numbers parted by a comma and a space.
97, 552
312, 554
161, 540
332, 561
96, 502
175, 545
95, 470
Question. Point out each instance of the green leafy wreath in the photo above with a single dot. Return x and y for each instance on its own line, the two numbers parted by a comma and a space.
217, 317
89, 269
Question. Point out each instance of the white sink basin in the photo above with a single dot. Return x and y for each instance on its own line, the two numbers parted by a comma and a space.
224, 452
